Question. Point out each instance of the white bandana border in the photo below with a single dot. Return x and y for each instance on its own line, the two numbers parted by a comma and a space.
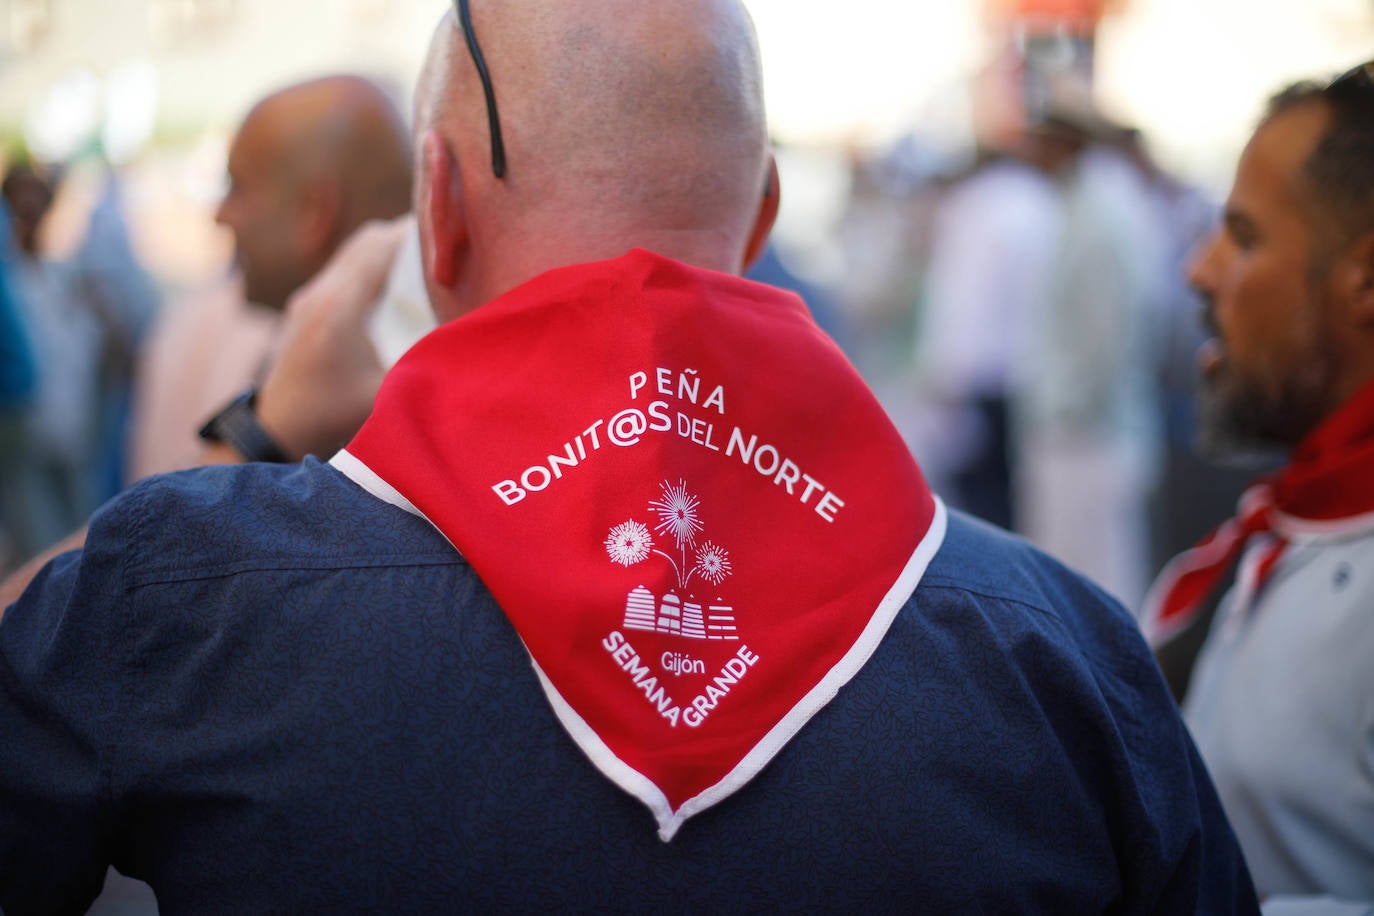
349, 465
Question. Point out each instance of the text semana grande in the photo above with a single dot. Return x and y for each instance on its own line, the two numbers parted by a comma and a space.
627, 658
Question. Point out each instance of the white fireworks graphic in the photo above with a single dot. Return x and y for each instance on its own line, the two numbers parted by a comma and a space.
629, 543
677, 513
713, 563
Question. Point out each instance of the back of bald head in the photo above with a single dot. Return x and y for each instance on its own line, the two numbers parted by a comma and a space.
623, 115
344, 129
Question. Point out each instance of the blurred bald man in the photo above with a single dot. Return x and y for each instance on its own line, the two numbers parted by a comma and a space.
309, 165
626, 596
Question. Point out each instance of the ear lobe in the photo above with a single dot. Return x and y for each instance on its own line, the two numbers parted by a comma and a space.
767, 214
441, 211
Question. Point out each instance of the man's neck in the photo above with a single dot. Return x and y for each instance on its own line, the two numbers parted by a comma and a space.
514, 264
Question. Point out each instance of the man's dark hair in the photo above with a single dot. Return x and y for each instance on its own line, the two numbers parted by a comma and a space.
1340, 168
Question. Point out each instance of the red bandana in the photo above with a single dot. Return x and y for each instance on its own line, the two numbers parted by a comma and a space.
1325, 493
694, 512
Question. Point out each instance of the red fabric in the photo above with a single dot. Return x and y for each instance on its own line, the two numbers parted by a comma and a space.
588, 364
1326, 489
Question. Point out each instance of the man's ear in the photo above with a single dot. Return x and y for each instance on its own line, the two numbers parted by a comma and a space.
1352, 280
320, 207
768, 212
441, 212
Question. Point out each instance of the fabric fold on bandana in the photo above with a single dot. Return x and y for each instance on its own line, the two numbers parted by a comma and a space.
692, 509
1324, 494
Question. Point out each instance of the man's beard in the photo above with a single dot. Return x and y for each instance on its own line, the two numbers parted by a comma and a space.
1239, 421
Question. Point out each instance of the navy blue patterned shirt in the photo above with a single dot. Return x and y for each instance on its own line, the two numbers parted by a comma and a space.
261, 690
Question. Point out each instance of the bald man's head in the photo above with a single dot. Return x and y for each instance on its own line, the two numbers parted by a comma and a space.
626, 123
310, 164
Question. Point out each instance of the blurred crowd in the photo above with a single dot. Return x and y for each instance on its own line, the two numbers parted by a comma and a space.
1024, 312
1021, 309
72, 332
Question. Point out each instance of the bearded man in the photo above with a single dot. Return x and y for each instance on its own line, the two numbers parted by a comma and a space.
1281, 700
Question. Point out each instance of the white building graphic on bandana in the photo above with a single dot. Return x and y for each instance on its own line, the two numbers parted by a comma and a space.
631, 542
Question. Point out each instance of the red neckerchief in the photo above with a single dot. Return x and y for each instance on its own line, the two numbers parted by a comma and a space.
694, 512
1324, 493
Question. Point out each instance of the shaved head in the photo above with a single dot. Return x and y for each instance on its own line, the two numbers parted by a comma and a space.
309, 165
626, 124
347, 127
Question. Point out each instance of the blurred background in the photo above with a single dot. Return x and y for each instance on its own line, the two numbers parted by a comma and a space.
988, 203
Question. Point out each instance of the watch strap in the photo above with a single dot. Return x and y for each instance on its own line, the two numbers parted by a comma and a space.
237, 426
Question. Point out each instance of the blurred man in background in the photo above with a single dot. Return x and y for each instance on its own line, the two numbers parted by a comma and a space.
310, 164
994, 241
1282, 697
1084, 405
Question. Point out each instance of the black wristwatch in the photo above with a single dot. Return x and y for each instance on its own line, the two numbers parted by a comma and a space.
237, 426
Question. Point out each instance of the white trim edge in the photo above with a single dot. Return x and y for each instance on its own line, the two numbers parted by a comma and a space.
348, 465
1307, 530
642, 788
824, 691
